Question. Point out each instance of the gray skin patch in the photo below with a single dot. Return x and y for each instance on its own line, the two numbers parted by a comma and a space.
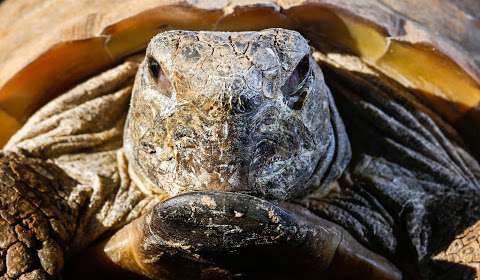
246, 112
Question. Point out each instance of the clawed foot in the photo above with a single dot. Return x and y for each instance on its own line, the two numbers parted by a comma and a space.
218, 235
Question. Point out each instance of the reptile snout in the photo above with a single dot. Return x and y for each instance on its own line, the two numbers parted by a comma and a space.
227, 111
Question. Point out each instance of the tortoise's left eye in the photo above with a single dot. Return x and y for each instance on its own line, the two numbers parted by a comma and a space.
154, 67
295, 88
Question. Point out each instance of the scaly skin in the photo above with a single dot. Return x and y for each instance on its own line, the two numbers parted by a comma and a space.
244, 112
38, 217
412, 189
68, 163
408, 171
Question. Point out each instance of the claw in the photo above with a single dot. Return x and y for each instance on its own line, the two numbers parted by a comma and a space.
220, 222
226, 235
235, 231
344, 256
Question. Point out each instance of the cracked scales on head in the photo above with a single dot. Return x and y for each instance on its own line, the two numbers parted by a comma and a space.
245, 111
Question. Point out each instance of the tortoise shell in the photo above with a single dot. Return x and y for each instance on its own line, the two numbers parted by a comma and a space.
47, 47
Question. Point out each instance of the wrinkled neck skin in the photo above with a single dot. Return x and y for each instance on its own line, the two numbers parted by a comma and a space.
233, 111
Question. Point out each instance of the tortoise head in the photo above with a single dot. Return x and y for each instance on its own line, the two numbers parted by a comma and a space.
243, 111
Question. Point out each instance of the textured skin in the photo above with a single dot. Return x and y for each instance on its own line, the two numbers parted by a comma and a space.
410, 193
225, 113
38, 218
412, 188
64, 179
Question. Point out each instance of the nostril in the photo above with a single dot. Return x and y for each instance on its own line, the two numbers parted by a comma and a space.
183, 132
265, 147
148, 148
241, 105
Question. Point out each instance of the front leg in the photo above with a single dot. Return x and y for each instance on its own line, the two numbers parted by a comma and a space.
38, 217
412, 191
204, 235
75, 174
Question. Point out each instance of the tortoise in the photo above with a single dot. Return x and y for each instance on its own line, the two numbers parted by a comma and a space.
292, 178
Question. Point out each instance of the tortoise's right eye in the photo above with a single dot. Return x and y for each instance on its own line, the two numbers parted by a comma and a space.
160, 79
154, 67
